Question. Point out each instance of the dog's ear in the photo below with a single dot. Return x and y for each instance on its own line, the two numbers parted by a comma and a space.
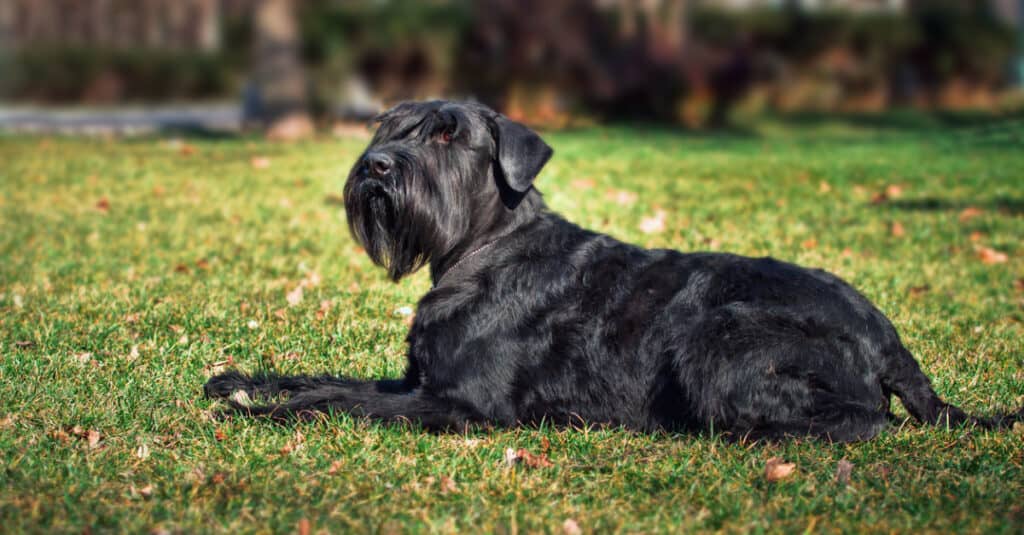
521, 153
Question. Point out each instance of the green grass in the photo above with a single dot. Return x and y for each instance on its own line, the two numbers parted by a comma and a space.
130, 269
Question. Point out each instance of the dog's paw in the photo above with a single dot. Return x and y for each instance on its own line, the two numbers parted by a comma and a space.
227, 384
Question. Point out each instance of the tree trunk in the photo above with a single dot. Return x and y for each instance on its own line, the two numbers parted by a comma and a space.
277, 99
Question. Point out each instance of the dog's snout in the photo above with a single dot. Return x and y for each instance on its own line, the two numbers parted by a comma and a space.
378, 164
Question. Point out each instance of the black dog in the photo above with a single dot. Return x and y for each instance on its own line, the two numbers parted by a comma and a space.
533, 318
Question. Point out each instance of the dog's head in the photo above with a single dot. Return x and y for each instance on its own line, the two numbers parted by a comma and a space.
435, 175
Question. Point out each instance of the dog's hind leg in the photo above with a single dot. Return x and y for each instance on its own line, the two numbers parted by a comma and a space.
844, 423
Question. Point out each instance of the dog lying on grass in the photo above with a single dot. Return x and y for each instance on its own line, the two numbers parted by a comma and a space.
532, 318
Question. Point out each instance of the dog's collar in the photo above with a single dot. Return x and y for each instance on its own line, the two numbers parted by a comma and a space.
476, 251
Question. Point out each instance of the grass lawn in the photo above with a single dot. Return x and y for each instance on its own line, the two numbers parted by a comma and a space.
130, 271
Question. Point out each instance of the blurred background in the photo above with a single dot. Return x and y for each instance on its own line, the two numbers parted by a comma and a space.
291, 66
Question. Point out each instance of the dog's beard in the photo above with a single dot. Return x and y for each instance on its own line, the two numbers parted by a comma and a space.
395, 222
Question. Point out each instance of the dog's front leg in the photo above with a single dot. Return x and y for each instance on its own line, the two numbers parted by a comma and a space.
387, 400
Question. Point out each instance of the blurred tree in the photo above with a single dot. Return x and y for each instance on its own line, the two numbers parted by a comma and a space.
277, 97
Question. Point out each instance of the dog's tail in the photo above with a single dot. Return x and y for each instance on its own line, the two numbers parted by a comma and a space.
912, 386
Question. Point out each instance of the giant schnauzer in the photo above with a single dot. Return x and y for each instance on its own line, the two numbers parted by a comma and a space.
532, 318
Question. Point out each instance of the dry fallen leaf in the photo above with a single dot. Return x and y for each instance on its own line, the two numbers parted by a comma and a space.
894, 191
219, 435
582, 183
970, 213
513, 457
570, 527
991, 256
654, 223
977, 236
303, 528
448, 485
621, 197
144, 492
775, 469
294, 297
824, 187
809, 243
897, 230
1018, 285
843, 470
919, 290
103, 205
325, 307
259, 162
142, 452
93, 437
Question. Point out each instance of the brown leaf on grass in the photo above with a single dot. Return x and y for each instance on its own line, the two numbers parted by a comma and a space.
60, 435
281, 314
186, 150
843, 470
335, 467
303, 527
294, 297
621, 197
969, 213
514, 457
545, 444
894, 191
897, 230
879, 198
916, 291
259, 162
1018, 285
103, 205
809, 244
220, 365
977, 236
991, 256
203, 264
776, 469
582, 183
93, 437
143, 492
181, 268
448, 485
571, 527
295, 444
824, 187
24, 344
654, 223
325, 307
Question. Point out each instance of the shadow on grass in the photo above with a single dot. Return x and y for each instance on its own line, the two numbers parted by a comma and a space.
1006, 205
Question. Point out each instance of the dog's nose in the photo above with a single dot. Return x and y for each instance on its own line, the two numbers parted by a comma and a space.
378, 164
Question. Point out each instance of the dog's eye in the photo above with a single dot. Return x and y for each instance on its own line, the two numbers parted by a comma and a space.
446, 135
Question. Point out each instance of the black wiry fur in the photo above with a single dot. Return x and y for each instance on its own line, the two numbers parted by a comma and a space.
533, 318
